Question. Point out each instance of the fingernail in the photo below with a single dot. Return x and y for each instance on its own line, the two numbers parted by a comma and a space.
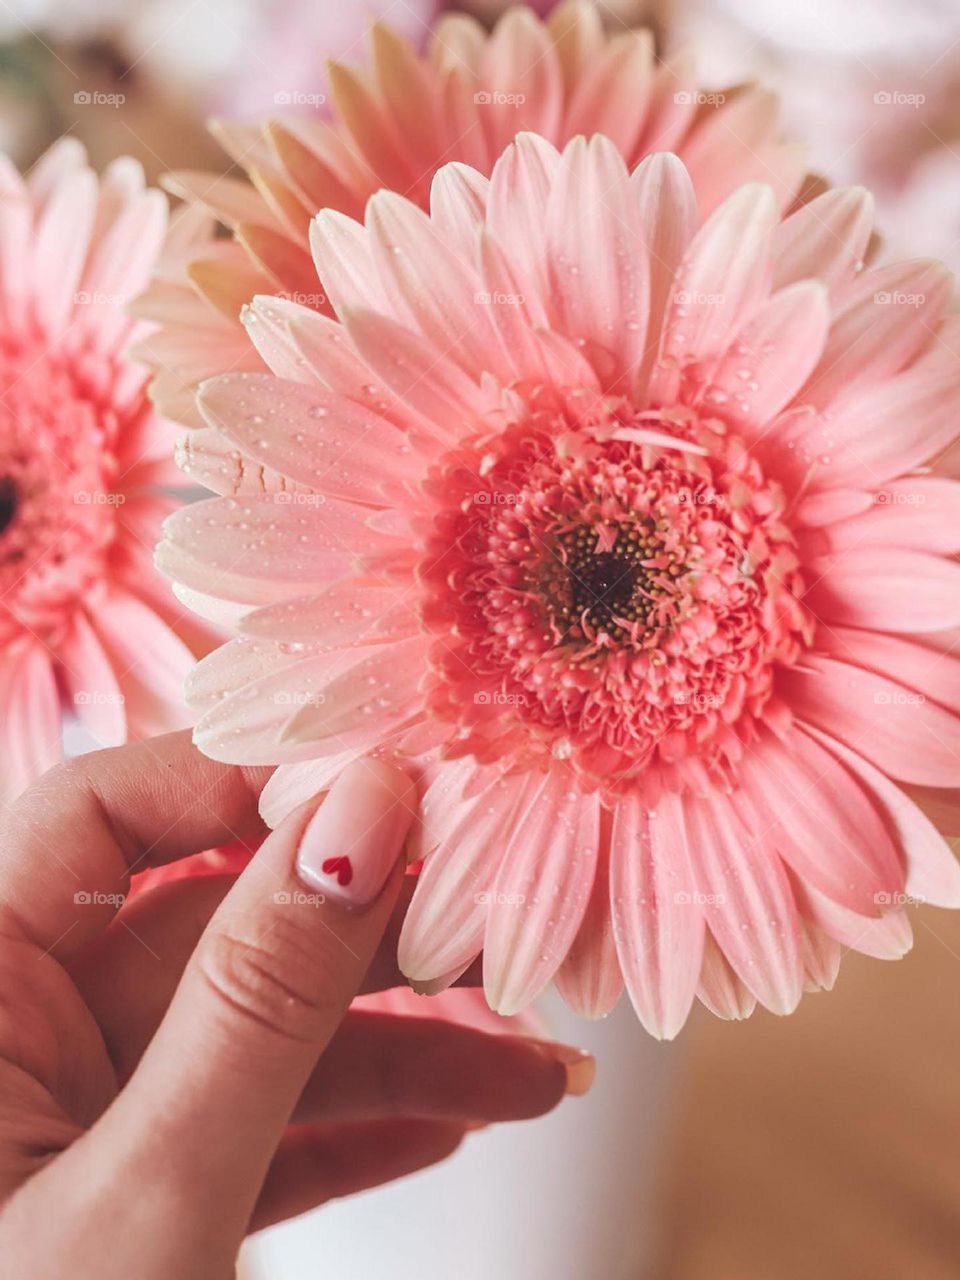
353, 841
580, 1066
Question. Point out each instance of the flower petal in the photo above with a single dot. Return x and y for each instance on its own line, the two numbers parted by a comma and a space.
541, 892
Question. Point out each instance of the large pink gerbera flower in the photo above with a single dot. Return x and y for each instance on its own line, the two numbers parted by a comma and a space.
85, 621
624, 533
393, 125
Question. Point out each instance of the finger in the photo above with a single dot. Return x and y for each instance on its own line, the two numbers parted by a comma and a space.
67, 846
128, 975
314, 1165
261, 997
380, 1065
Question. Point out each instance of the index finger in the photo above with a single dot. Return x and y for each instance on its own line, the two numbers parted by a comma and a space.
69, 845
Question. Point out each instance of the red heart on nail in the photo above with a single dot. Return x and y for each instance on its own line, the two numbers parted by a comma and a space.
340, 867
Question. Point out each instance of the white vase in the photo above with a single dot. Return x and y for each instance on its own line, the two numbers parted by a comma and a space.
558, 1198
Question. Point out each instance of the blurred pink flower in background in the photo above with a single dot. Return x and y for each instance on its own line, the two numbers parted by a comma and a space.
607, 524
85, 621
874, 87
464, 98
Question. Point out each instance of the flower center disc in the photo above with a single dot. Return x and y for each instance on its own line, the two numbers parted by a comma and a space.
620, 602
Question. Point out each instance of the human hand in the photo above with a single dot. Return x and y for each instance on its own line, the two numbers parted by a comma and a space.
180, 1070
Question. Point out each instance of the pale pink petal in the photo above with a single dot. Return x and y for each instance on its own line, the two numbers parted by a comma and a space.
723, 278
921, 512
885, 321
426, 280
877, 433
657, 917
806, 804
866, 587
291, 785
240, 548
541, 891
520, 67
520, 188
730, 146
30, 731
720, 990
60, 249
458, 203
933, 873
348, 613
427, 383
590, 979
149, 660
747, 902
267, 321
888, 937
771, 357
463, 839
622, 74
826, 239
382, 682
344, 261
911, 662
821, 958
91, 685
321, 440
599, 274
909, 739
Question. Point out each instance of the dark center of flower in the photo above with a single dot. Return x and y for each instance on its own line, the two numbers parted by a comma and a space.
9, 501
606, 578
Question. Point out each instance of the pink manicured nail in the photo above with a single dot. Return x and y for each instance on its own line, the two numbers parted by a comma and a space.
353, 841
580, 1066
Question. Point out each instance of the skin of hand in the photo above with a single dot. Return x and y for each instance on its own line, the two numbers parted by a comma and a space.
184, 1069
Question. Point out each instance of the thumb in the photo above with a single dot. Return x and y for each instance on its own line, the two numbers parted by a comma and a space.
266, 989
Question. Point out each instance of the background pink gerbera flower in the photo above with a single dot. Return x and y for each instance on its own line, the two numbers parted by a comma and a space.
85, 621
404, 116
625, 533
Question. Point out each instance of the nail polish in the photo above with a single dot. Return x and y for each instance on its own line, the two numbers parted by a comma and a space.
353, 841
580, 1066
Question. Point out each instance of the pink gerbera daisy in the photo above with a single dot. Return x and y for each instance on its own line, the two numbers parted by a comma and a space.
624, 535
394, 124
85, 621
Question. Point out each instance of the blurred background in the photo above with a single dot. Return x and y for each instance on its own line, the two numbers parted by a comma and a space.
827, 1144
